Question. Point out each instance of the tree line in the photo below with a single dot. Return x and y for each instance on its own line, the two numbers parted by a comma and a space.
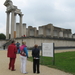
2, 36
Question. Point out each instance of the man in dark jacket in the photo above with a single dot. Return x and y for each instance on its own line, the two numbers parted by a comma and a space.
11, 53
36, 57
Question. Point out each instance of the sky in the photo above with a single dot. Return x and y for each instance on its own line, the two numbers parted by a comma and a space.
60, 13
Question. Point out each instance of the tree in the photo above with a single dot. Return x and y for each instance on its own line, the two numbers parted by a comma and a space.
2, 36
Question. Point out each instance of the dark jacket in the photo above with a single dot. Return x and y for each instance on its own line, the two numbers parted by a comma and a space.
36, 53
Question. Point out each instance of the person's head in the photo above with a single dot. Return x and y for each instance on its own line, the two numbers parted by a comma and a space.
23, 43
36, 46
13, 41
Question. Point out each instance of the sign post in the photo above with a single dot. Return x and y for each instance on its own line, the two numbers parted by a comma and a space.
48, 50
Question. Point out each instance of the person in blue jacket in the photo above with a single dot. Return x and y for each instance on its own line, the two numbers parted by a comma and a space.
17, 45
23, 55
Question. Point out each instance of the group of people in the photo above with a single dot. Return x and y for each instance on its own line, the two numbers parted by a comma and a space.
23, 51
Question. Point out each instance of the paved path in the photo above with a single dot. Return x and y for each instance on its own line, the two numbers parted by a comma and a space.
44, 70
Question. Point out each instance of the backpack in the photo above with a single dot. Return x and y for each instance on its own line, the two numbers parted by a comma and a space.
22, 52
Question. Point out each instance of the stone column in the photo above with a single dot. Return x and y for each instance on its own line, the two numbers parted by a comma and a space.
24, 29
17, 29
61, 34
7, 25
12, 24
52, 28
21, 26
40, 33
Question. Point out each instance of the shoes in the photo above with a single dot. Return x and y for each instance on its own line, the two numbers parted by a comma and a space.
34, 71
26, 73
13, 70
38, 72
9, 68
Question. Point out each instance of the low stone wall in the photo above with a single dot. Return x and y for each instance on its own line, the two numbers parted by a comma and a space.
58, 42
31, 41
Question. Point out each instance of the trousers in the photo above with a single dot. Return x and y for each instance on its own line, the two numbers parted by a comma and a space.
11, 63
23, 63
35, 65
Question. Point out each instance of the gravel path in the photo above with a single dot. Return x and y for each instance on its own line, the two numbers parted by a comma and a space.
43, 69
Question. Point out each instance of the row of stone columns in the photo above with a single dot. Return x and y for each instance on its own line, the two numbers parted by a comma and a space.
18, 30
13, 24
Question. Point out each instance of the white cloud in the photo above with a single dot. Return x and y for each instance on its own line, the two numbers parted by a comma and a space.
2, 28
2, 7
41, 12
20, 3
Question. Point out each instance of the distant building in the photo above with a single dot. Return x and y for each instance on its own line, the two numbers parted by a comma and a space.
49, 31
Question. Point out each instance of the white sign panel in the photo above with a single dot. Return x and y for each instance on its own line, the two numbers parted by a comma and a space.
47, 49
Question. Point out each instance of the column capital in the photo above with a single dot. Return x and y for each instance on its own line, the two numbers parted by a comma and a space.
15, 14
7, 12
21, 15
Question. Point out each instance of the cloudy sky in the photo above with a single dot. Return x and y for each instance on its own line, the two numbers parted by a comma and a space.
60, 13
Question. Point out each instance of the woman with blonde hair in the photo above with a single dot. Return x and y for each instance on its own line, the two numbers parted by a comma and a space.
24, 56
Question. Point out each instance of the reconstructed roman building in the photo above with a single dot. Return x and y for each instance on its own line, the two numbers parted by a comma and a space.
13, 10
49, 31
20, 30
61, 37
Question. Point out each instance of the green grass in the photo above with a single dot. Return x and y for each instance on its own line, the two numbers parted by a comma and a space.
63, 61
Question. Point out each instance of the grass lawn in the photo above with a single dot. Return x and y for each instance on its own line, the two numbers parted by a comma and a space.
63, 61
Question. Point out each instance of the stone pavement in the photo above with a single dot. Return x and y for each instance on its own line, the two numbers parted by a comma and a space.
43, 69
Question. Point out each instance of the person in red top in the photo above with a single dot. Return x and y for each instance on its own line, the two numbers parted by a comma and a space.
11, 53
